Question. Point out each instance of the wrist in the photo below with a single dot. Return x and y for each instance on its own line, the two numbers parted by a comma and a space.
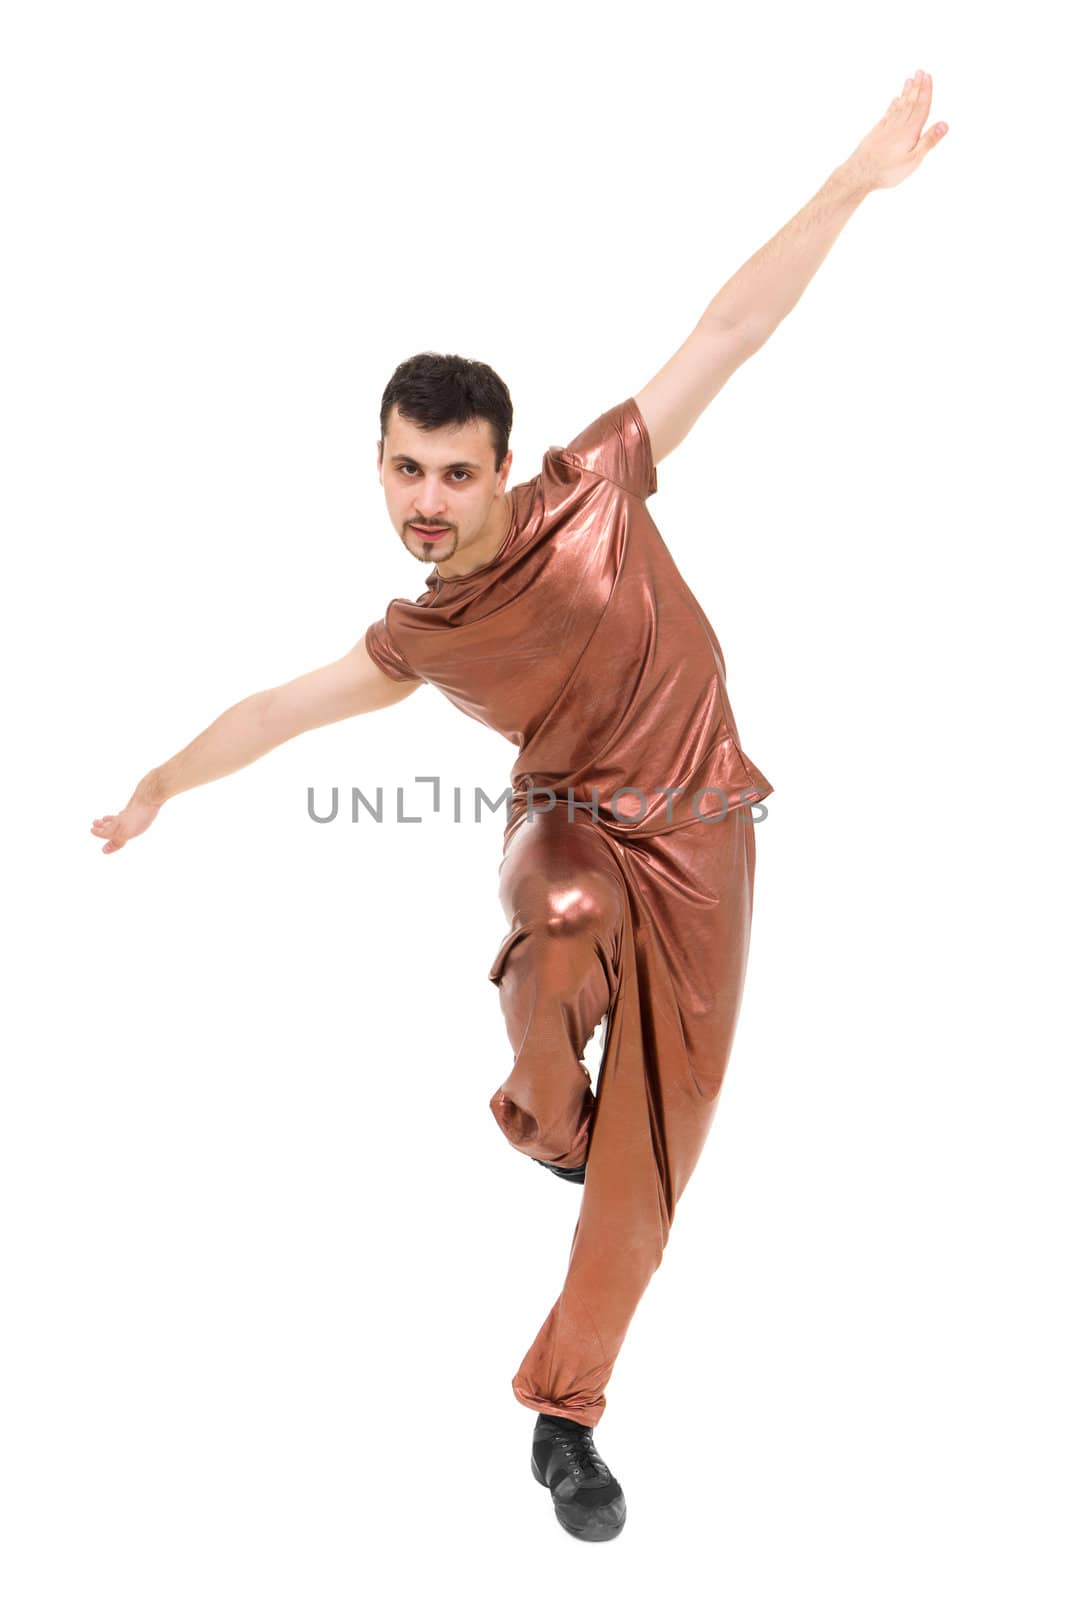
855, 178
151, 791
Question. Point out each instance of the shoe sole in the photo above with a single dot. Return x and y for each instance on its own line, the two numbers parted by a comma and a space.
590, 1532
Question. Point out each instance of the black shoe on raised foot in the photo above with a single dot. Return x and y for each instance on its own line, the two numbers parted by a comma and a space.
572, 1174
589, 1502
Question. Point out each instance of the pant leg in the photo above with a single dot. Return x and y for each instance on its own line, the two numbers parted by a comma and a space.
682, 954
564, 895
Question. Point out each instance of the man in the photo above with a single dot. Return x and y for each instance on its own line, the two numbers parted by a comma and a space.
555, 614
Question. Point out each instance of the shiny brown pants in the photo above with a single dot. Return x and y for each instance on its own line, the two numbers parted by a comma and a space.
653, 933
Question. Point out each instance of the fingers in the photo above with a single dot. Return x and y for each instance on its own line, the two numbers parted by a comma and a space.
914, 97
918, 93
916, 101
105, 828
923, 98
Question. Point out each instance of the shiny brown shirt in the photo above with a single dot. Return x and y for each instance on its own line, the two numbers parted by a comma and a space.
582, 644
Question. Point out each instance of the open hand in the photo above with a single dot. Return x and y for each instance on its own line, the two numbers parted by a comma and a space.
893, 148
136, 817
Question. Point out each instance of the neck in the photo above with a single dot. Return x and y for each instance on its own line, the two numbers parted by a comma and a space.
487, 544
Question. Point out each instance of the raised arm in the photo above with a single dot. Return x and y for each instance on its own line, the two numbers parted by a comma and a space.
344, 688
748, 308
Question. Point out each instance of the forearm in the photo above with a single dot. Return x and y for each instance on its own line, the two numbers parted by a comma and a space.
239, 736
771, 282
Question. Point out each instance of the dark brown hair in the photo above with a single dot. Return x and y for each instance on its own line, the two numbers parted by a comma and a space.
436, 391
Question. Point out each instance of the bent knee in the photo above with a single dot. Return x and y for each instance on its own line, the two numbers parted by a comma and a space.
591, 903
519, 1127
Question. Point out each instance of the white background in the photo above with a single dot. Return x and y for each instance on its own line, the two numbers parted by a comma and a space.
268, 1264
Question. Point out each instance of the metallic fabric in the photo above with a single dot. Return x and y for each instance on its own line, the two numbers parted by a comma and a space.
655, 933
582, 644
628, 862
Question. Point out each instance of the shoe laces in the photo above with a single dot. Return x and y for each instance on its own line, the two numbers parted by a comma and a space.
582, 1453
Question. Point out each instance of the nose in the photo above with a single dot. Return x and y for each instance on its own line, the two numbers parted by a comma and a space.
430, 507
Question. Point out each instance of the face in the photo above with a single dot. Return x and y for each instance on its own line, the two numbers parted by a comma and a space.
444, 480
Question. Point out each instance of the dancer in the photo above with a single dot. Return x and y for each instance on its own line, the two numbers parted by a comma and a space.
555, 614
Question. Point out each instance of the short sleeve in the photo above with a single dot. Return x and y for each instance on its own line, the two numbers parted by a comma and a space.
384, 653
617, 446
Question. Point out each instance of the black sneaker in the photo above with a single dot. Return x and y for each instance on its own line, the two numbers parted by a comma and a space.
589, 1502
572, 1174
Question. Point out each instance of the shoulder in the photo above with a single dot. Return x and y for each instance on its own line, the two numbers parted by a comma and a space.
614, 447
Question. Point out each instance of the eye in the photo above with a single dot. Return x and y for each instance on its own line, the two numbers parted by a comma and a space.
404, 465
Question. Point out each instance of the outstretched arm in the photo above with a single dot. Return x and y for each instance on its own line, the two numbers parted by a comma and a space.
248, 730
749, 307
